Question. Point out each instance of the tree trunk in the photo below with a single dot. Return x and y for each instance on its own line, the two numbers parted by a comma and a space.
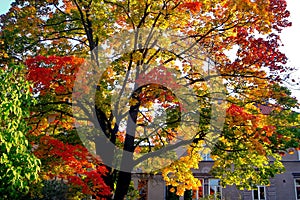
124, 176
123, 183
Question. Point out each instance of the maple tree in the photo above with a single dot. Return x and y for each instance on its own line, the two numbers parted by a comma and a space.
201, 34
72, 163
52, 79
63, 156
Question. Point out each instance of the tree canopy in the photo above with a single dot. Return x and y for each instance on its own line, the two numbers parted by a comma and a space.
143, 80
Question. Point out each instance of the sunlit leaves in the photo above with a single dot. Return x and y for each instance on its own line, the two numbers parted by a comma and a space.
19, 168
53, 79
180, 175
53, 74
72, 163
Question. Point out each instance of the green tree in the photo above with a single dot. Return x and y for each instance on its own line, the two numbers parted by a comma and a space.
18, 166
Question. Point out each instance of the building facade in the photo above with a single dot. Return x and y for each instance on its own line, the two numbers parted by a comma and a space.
285, 186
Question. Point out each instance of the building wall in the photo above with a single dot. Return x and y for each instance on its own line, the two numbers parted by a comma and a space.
284, 183
282, 186
158, 188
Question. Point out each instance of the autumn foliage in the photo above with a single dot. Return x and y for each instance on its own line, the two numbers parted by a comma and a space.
226, 54
74, 164
53, 73
53, 78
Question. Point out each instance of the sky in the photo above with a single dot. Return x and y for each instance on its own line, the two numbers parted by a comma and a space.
289, 36
4, 6
291, 40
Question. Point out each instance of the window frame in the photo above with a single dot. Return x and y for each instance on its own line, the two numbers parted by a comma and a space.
296, 185
216, 187
206, 157
206, 186
196, 192
259, 192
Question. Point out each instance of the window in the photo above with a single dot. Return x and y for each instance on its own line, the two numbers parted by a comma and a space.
297, 188
198, 194
215, 189
260, 193
206, 157
209, 187
205, 153
170, 195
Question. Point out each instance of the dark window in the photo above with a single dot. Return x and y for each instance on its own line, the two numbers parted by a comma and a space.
297, 188
260, 193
